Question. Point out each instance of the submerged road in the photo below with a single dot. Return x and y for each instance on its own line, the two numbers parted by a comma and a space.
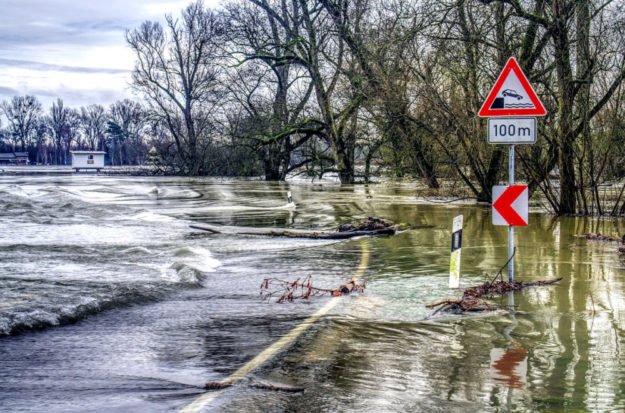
205, 399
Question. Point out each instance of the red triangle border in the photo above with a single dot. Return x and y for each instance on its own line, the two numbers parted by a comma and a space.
512, 65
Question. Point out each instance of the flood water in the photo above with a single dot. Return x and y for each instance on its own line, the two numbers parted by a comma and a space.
110, 302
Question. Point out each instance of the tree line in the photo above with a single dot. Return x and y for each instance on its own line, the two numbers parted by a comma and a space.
120, 130
278, 87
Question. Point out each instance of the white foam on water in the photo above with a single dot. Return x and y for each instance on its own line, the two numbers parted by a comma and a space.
93, 194
147, 216
137, 251
197, 258
288, 205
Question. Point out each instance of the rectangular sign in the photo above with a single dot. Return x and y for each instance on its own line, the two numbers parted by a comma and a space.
512, 130
456, 249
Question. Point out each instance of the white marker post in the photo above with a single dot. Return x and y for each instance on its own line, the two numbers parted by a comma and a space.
289, 198
456, 248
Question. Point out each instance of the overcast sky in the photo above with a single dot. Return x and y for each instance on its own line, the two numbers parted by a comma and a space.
72, 49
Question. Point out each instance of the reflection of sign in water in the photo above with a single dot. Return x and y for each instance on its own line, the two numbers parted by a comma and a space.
509, 366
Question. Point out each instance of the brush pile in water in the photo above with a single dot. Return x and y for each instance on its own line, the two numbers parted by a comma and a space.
600, 237
368, 224
293, 290
471, 297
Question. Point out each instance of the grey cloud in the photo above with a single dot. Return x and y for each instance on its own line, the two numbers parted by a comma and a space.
76, 98
71, 97
8, 91
32, 65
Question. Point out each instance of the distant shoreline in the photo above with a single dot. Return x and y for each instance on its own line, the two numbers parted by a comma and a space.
135, 170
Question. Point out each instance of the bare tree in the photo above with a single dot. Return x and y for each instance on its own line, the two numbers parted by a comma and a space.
177, 75
272, 89
22, 114
72, 133
318, 49
58, 122
378, 35
94, 119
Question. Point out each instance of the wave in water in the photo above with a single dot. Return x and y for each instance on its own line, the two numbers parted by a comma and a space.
36, 301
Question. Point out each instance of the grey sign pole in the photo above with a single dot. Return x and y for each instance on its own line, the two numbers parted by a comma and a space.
511, 228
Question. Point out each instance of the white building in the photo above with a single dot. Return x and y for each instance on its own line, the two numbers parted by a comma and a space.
88, 160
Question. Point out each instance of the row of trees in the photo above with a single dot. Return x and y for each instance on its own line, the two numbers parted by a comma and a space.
272, 87
120, 130
317, 85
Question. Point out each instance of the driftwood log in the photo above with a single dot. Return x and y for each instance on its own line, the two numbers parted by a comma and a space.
369, 227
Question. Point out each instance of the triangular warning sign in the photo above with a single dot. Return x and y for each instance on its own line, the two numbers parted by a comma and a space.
512, 95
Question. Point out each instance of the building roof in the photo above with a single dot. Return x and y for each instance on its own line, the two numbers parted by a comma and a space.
13, 155
89, 152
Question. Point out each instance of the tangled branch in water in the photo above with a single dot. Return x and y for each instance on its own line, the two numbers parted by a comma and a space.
292, 290
471, 297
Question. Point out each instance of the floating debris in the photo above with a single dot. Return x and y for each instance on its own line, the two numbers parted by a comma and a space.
218, 385
600, 237
465, 304
293, 290
368, 224
607, 238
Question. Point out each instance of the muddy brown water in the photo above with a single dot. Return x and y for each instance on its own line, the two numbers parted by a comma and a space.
110, 302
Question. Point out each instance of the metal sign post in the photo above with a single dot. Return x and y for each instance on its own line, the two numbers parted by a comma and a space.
511, 227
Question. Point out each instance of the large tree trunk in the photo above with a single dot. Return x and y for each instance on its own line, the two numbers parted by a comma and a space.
568, 187
274, 154
345, 164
